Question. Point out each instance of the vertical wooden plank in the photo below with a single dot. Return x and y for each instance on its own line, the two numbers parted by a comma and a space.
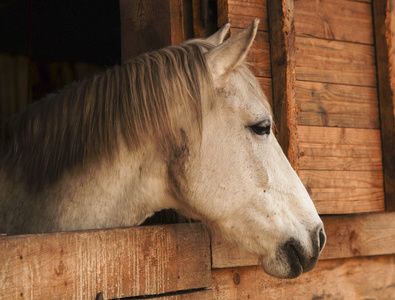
150, 24
282, 53
384, 26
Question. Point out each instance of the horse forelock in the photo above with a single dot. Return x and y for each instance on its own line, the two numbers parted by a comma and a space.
86, 121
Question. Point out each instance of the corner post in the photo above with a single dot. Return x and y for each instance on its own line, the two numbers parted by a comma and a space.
282, 54
384, 29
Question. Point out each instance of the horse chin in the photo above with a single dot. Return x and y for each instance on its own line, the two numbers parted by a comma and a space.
284, 267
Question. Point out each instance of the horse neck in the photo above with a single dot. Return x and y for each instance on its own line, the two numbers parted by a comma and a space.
146, 183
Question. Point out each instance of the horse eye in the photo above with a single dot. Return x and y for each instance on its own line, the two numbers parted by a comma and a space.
261, 128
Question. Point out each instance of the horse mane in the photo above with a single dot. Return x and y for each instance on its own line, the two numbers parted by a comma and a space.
84, 122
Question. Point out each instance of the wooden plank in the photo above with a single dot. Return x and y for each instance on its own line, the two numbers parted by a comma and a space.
321, 60
334, 20
282, 51
118, 262
258, 57
339, 136
384, 23
328, 150
150, 24
338, 119
347, 200
324, 104
341, 179
357, 278
322, 163
242, 12
347, 236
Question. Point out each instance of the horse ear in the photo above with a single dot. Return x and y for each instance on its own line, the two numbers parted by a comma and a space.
230, 54
218, 37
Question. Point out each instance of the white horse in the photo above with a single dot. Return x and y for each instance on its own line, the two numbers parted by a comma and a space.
185, 127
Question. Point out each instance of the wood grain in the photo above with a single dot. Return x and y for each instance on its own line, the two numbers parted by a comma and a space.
334, 20
199, 295
118, 262
347, 200
335, 105
347, 236
357, 278
150, 24
282, 51
242, 12
384, 23
330, 61
339, 136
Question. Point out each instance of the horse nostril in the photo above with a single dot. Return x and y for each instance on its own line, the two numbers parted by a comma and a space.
322, 238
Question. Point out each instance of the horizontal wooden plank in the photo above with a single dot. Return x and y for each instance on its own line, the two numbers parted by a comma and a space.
347, 200
339, 136
338, 119
347, 236
335, 20
242, 12
321, 60
357, 278
340, 163
122, 262
259, 56
323, 104
336, 93
341, 179
350, 151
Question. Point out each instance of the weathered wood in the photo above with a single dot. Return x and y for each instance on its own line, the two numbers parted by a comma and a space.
199, 295
321, 60
322, 163
341, 179
357, 278
150, 24
347, 236
384, 24
323, 104
347, 200
118, 262
339, 136
334, 20
259, 56
242, 12
328, 150
282, 51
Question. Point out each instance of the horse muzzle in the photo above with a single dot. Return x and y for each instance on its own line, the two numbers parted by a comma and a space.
300, 260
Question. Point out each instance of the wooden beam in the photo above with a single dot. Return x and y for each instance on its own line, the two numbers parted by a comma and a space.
282, 54
147, 25
357, 278
384, 25
119, 262
348, 236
